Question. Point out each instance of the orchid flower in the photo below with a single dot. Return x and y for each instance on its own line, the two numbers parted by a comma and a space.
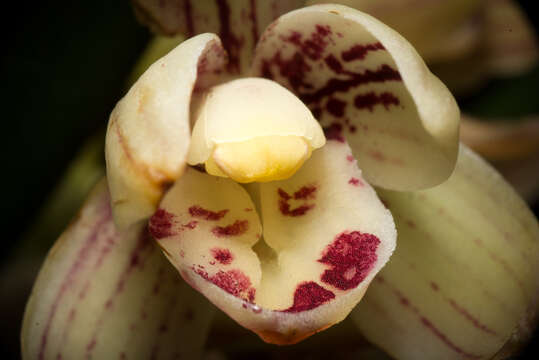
278, 227
467, 43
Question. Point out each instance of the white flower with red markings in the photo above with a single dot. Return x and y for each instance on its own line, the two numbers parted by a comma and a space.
277, 228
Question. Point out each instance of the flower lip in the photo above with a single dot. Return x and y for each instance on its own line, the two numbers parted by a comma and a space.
287, 260
253, 129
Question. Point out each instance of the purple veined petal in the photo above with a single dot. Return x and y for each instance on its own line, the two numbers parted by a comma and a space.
238, 23
149, 129
326, 235
105, 294
463, 280
366, 84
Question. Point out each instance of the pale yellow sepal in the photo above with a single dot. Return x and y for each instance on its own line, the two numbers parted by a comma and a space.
253, 130
463, 280
106, 294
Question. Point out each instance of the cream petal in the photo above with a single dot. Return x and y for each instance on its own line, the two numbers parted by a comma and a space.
329, 235
464, 274
365, 83
209, 229
253, 129
104, 294
149, 131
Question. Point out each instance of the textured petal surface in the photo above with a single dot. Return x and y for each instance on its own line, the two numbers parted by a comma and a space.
465, 271
327, 224
365, 83
237, 22
328, 235
102, 294
148, 132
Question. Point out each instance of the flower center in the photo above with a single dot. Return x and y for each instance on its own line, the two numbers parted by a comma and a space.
253, 129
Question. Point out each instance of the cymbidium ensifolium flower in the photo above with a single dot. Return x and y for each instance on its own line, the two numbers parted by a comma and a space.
314, 176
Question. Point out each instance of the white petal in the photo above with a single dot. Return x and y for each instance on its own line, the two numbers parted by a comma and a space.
149, 131
367, 84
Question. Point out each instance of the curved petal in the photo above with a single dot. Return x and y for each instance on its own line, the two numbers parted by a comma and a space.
237, 22
366, 83
328, 233
102, 294
148, 132
316, 271
465, 271
452, 23
253, 129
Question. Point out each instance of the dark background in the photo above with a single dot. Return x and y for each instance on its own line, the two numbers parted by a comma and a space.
63, 67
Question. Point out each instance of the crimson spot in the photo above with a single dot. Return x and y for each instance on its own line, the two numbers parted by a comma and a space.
351, 256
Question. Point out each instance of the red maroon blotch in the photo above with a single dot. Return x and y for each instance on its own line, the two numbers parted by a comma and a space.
234, 282
309, 295
283, 194
199, 212
355, 182
334, 132
239, 227
317, 112
305, 192
284, 207
350, 257
358, 52
293, 69
370, 100
314, 46
336, 107
334, 64
382, 74
190, 225
160, 225
224, 256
